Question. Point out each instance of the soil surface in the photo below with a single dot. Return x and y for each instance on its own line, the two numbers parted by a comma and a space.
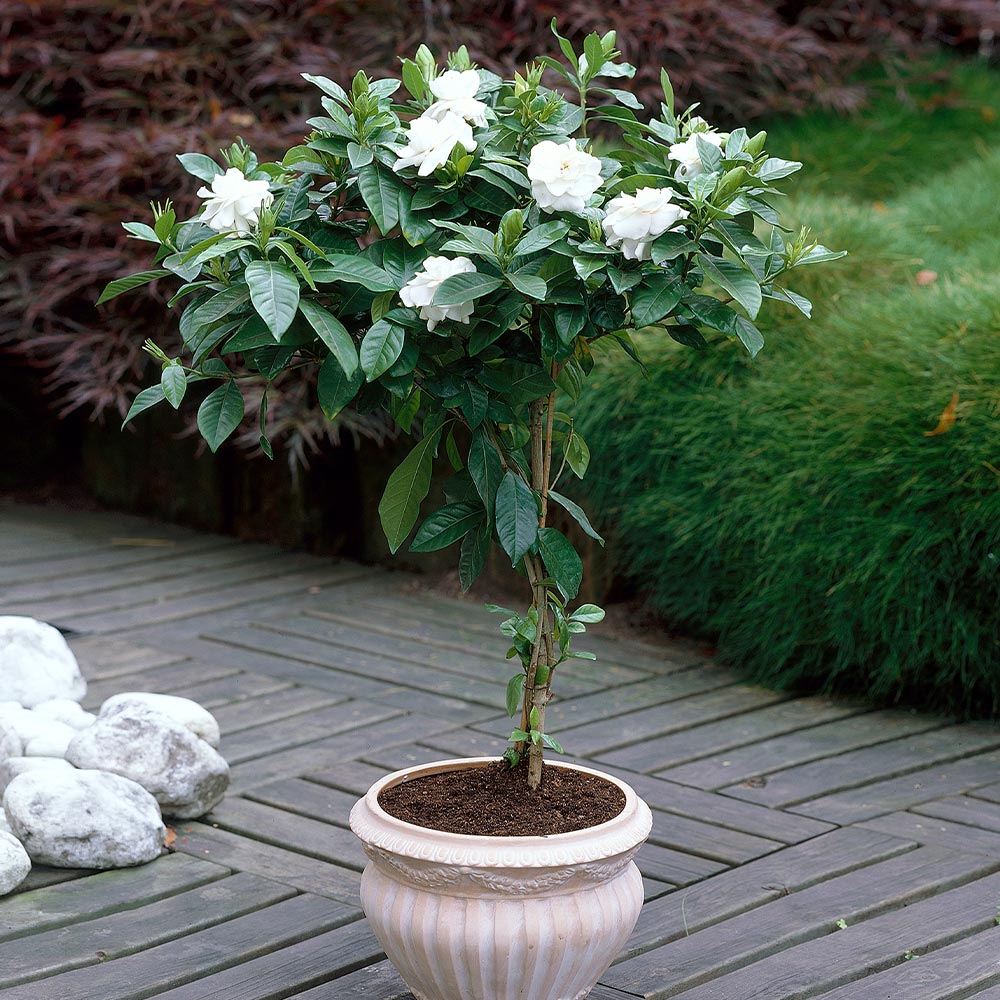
495, 801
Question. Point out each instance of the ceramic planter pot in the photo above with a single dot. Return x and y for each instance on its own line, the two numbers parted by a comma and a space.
500, 918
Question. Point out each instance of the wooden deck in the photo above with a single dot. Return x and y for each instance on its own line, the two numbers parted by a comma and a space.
801, 847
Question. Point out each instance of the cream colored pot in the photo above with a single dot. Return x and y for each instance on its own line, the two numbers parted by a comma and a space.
500, 918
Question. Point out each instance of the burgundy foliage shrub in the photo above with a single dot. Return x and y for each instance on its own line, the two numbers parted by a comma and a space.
96, 97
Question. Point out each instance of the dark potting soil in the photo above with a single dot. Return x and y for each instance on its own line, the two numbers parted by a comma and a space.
495, 801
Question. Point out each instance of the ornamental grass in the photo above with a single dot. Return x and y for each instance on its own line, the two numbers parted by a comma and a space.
830, 512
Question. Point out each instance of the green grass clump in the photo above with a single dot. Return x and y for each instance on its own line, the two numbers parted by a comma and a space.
795, 507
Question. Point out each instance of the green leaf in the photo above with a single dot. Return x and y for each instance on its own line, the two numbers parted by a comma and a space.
540, 238
355, 271
475, 403
380, 190
561, 560
173, 381
220, 413
274, 292
461, 288
515, 690
749, 335
774, 169
529, 285
201, 166
740, 283
486, 468
405, 490
141, 231
655, 298
147, 398
332, 332
553, 744
118, 287
577, 455
578, 513
475, 548
445, 526
334, 388
516, 516
588, 613
328, 87
219, 305
382, 345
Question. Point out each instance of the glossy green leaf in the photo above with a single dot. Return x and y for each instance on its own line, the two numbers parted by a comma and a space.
445, 526
516, 516
200, 166
461, 288
405, 491
578, 513
486, 468
173, 381
143, 401
274, 292
736, 280
381, 346
475, 549
118, 287
515, 691
220, 414
561, 560
334, 388
332, 332
654, 299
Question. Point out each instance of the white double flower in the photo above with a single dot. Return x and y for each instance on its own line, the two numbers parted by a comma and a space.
419, 291
430, 142
456, 94
635, 220
563, 177
234, 203
687, 155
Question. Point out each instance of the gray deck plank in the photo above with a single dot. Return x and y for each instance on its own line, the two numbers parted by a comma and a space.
103, 892
302, 834
741, 889
793, 749
963, 809
232, 689
299, 966
179, 676
195, 955
856, 804
870, 764
307, 798
594, 739
103, 657
289, 868
795, 918
115, 935
956, 972
817, 966
930, 830
272, 707
990, 792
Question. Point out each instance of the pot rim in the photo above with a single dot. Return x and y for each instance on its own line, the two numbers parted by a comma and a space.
635, 814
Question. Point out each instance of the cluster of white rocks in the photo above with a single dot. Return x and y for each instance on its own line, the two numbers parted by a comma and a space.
90, 791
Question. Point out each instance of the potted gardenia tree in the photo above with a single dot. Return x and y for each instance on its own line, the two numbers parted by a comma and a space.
456, 257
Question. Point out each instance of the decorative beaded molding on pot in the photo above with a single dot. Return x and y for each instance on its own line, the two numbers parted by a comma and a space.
389, 840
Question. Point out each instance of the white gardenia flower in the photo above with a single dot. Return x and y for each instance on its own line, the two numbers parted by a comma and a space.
456, 93
686, 153
562, 177
430, 142
234, 202
419, 291
635, 220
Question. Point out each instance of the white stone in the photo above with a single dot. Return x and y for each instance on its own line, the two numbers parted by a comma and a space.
11, 745
39, 736
185, 775
66, 711
14, 863
13, 766
188, 713
36, 664
4, 825
83, 819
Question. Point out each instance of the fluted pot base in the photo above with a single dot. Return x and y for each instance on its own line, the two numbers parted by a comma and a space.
500, 918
